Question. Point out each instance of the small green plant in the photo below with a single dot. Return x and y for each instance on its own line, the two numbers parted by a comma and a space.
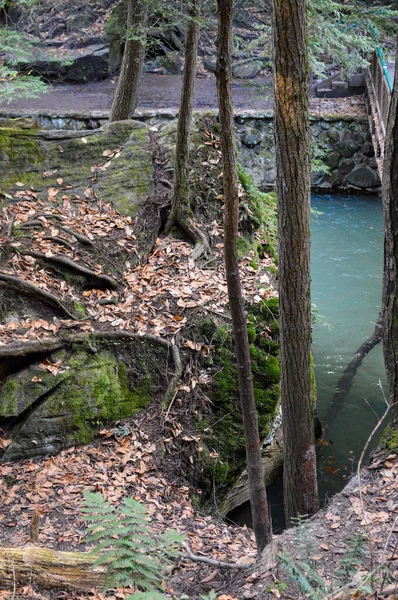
132, 554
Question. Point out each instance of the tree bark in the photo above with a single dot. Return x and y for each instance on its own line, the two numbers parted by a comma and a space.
126, 95
181, 212
390, 211
258, 498
292, 140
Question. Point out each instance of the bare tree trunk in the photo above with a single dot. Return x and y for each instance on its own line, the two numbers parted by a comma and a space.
126, 95
390, 210
258, 498
181, 212
292, 138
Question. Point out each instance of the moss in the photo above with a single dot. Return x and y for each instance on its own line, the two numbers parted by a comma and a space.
79, 310
224, 453
9, 398
97, 391
259, 214
389, 439
17, 157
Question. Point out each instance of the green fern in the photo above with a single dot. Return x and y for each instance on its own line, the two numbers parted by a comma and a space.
131, 553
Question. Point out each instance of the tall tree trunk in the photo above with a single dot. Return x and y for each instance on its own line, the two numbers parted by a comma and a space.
126, 95
258, 498
390, 210
292, 139
181, 212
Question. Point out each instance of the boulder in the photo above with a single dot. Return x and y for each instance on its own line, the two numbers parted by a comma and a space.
346, 165
247, 69
332, 160
251, 138
348, 147
368, 149
125, 178
56, 411
364, 177
78, 66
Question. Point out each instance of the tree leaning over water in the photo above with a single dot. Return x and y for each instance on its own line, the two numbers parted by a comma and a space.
292, 141
257, 493
390, 282
126, 95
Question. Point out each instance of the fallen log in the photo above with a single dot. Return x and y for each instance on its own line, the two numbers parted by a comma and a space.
49, 568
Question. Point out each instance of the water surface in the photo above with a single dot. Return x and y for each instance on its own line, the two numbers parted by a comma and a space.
346, 271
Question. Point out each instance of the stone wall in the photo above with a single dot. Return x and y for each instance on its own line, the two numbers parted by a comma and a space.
342, 150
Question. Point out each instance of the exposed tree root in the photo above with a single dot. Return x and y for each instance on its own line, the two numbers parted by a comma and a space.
347, 379
29, 288
98, 279
59, 241
194, 233
53, 344
37, 223
49, 568
81, 238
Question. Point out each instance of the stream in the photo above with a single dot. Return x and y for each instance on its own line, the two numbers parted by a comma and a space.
346, 272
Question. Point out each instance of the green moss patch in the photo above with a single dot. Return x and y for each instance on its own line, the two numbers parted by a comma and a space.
224, 453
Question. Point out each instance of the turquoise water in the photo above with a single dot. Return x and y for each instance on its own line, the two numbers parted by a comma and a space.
346, 271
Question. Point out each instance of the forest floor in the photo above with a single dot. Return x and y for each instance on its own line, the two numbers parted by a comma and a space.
348, 550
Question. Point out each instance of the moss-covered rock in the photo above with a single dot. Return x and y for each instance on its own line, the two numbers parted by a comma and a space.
68, 408
125, 179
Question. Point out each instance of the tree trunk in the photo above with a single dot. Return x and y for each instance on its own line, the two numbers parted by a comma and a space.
126, 95
181, 212
390, 210
258, 498
292, 140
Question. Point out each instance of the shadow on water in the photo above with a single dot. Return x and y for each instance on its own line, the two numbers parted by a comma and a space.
346, 272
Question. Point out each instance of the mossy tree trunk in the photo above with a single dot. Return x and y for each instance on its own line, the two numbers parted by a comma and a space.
257, 493
181, 212
390, 210
126, 95
292, 141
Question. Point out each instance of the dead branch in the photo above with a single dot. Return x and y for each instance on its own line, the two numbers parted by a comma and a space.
211, 561
31, 289
99, 278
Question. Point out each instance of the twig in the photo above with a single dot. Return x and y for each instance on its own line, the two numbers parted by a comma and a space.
29, 288
211, 561
99, 278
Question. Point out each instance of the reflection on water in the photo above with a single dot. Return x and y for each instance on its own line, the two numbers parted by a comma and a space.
346, 271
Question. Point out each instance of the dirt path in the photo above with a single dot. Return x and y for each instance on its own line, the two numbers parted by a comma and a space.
157, 91
163, 91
